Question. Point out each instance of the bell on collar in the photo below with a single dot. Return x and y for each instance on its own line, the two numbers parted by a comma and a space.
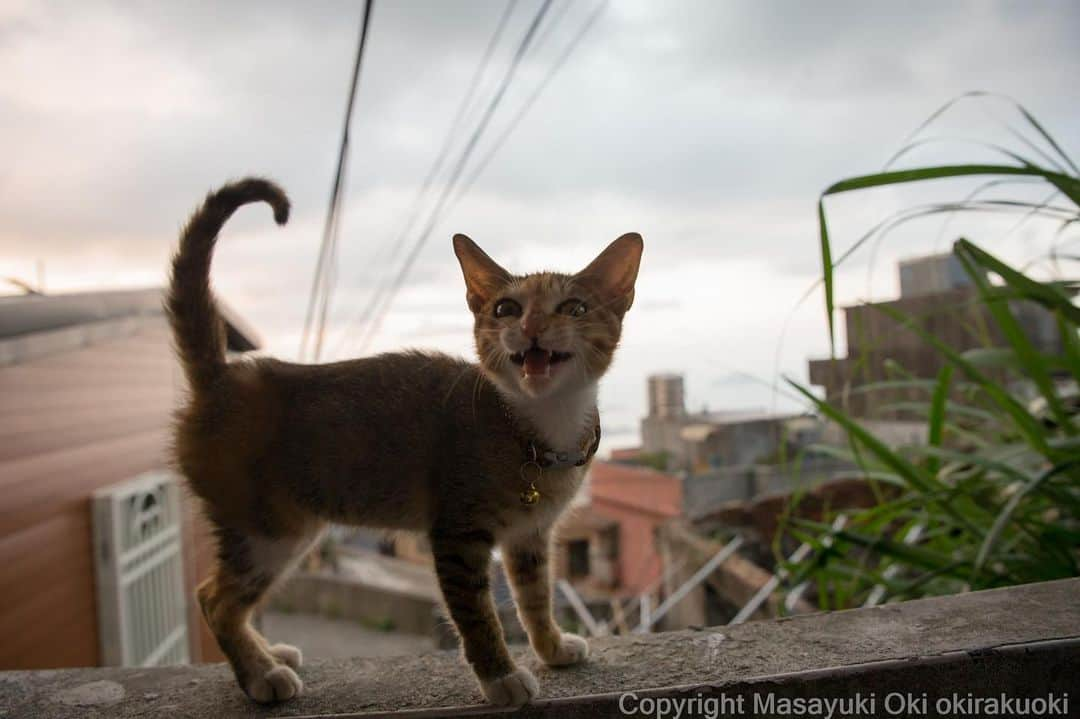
530, 495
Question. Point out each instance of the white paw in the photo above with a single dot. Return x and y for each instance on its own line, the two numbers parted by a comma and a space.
517, 688
572, 649
288, 654
277, 685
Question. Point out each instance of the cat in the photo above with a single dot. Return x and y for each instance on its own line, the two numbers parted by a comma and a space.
476, 456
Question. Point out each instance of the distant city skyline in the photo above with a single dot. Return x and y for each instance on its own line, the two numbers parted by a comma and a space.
708, 127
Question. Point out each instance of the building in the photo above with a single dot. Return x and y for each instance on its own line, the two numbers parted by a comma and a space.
700, 442
660, 429
666, 398
932, 275
607, 546
942, 299
724, 456
88, 384
739, 439
626, 455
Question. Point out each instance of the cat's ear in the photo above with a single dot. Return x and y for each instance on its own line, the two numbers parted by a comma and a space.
613, 273
483, 276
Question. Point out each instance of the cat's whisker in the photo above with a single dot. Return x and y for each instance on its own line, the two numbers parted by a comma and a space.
594, 351
450, 391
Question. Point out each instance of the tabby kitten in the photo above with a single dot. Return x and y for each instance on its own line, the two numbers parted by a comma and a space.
473, 455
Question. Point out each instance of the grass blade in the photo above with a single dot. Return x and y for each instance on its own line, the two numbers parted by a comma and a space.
1027, 424
1002, 520
911, 474
1046, 294
827, 275
937, 415
920, 174
1026, 353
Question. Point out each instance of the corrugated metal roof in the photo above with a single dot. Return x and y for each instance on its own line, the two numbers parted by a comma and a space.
26, 314
22, 315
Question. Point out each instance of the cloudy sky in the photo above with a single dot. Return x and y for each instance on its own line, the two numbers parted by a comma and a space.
709, 127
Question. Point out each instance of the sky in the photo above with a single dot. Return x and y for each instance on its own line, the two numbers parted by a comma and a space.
709, 127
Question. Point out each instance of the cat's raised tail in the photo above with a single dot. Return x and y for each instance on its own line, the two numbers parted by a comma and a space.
198, 330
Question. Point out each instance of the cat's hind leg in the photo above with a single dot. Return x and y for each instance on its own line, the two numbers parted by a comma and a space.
248, 565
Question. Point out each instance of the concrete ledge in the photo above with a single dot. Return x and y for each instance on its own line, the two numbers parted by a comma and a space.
339, 596
1021, 641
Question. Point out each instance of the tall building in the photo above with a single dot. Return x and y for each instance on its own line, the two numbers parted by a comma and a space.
945, 305
667, 414
931, 275
666, 397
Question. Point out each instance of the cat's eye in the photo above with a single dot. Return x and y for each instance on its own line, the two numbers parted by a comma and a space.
507, 308
572, 307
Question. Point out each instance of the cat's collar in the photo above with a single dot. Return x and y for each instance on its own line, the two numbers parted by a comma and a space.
536, 452
550, 459
538, 457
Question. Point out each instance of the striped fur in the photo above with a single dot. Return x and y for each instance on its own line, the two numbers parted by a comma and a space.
408, 441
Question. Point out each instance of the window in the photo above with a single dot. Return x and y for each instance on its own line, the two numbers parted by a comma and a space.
578, 552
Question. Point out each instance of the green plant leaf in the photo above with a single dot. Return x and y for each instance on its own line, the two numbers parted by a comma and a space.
1070, 342
997, 483
827, 275
907, 553
1047, 294
1027, 424
937, 415
908, 472
1026, 353
1069, 186
921, 174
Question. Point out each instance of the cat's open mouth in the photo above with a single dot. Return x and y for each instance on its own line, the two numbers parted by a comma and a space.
538, 361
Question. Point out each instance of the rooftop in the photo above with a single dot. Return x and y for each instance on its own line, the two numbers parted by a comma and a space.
743, 416
643, 488
33, 324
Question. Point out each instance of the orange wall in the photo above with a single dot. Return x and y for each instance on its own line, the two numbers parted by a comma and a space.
639, 500
71, 423
639, 562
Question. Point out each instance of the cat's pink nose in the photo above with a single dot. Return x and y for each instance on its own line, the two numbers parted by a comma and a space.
533, 323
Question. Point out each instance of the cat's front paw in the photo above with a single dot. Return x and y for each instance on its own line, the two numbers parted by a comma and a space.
516, 688
288, 654
571, 649
277, 685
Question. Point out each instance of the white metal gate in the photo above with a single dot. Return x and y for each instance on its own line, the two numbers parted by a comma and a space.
142, 601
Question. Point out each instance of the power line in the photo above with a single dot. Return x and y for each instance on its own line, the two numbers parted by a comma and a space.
414, 209
459, 167
455, 126
548, 30
527, 105
551, 23
322, 284
522, 111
